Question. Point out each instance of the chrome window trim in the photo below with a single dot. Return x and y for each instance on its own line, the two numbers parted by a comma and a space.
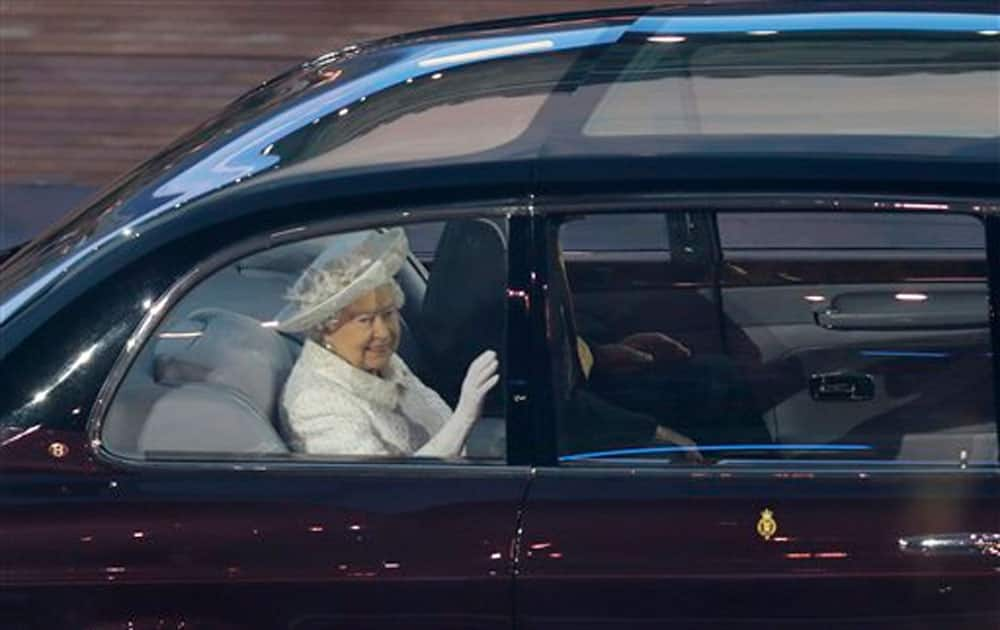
750, 202
798, 474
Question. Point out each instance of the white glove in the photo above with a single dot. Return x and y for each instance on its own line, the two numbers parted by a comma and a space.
480, 378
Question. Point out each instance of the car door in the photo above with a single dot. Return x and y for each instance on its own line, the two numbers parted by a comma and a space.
178, 505
898, 325
755, 531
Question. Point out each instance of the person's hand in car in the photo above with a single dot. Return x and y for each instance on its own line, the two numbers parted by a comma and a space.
638, 352
633, 354
666, 435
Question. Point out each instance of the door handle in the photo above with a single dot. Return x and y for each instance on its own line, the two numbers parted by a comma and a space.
966, 544
850, 386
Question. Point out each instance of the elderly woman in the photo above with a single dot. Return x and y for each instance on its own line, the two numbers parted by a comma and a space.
349, 393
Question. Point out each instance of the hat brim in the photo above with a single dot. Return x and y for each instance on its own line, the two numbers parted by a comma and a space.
293, 319
389, 249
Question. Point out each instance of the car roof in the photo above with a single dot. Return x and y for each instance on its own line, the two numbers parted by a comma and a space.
276, 134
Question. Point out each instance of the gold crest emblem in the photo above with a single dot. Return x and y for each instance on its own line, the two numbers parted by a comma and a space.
58, 450
767, 526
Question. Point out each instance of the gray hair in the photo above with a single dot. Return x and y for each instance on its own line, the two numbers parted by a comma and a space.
398, 299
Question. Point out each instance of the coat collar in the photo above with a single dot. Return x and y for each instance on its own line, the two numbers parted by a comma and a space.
383, 391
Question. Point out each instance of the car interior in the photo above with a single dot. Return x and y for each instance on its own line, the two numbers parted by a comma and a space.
210, 379
867, 341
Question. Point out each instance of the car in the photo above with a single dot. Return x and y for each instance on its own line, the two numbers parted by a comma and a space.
738, 263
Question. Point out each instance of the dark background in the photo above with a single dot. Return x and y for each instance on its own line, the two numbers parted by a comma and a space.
90, 88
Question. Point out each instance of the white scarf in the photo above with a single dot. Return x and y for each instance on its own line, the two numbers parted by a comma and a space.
332, 407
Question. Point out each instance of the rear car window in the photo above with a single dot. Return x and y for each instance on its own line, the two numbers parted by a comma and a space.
770, 83
874, 348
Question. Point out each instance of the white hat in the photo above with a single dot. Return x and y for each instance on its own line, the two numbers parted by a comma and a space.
352, 266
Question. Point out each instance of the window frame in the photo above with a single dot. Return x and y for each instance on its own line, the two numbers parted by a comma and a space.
518, 409
986, 211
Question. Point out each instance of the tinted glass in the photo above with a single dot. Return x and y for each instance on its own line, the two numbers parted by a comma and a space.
878, 352
435, 116
795, 230
436, 109
615, 232
731, 90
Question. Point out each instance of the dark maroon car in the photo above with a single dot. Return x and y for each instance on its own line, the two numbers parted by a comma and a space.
740, 266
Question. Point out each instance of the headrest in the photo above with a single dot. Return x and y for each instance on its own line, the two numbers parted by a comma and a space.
232, 350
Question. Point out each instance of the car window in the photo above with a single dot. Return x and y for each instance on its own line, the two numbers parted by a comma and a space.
338, 347
875, 347
800, 230
615, 233
803, 85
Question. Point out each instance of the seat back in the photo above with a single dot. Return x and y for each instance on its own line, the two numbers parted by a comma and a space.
464, 306
128, 413
225, 386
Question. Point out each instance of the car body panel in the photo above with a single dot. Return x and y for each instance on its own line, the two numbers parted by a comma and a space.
683, 549
264, 548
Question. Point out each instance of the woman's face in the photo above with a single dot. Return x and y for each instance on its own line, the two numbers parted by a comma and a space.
366, 333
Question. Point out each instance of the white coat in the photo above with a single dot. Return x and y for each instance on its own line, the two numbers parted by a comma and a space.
330, 407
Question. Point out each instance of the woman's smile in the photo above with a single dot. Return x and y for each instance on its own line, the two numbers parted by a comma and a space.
367, 334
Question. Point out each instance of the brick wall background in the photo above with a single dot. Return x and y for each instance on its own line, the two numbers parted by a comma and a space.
89, 88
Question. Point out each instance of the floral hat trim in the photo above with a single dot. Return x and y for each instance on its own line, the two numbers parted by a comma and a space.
337, 278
